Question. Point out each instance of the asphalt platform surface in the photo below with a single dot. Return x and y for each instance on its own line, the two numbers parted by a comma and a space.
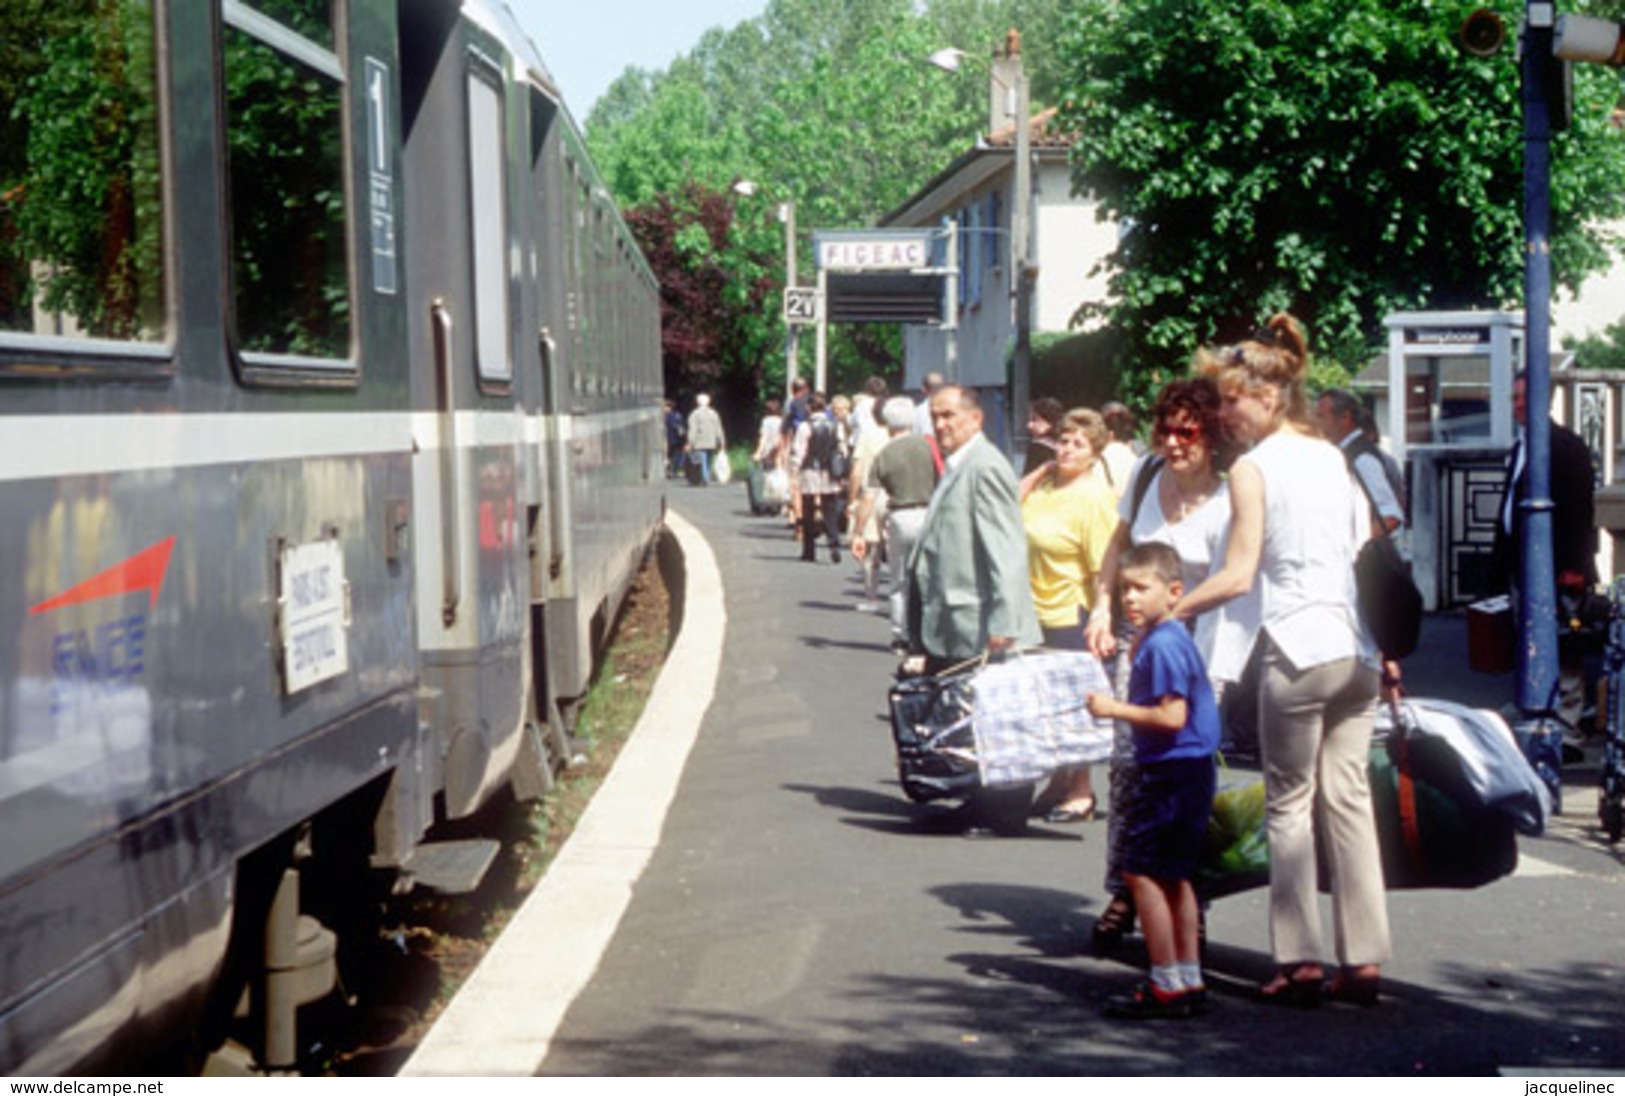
754, 896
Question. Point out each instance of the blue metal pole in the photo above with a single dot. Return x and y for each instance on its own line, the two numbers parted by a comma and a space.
1537, 651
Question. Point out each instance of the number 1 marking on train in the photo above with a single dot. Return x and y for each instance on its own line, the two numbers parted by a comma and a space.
380, 189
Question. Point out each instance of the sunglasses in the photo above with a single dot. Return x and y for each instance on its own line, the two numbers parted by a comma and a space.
1182, 434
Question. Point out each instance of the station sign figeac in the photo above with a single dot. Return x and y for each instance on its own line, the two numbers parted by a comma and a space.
872, 252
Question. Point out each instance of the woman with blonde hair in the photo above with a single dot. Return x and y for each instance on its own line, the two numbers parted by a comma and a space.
1069, 514
1297, 522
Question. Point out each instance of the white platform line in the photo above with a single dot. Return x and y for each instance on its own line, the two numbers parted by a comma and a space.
503, 1019
1531, 867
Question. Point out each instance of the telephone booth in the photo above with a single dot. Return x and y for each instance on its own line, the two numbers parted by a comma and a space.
1446, 408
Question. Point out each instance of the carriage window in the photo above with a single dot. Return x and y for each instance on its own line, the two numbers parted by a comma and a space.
81, 219
487, 197
285, 131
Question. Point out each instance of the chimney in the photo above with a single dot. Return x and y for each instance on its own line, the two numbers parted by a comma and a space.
1001, 95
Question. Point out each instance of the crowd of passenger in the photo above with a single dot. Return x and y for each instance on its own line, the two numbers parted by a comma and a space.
1222, 551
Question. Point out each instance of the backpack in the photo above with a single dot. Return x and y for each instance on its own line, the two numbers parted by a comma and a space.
824, 449
1389, 601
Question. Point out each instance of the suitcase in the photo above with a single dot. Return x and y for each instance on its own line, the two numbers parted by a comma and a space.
696, 474
756, 486
1449, 802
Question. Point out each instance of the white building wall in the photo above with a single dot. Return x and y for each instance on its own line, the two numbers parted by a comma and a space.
1069, 244
1599, 304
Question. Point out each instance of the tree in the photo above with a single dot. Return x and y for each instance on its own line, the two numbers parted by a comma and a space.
825, 103
1337, 158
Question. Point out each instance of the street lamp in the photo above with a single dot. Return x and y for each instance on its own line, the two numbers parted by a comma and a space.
792, 332
1009, 72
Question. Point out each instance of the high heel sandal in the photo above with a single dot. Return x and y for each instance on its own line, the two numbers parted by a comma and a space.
1293, 988
1115, 921
1354, 987
1062, 814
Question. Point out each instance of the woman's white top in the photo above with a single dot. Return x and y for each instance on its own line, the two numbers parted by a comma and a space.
1313, 526
1225, 635
767, 437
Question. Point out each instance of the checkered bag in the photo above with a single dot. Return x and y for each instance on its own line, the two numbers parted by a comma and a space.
1030, 716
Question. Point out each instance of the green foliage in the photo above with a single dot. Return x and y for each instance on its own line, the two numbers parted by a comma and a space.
285, 132
1604, 351
824, 103
79, 168
1336, 159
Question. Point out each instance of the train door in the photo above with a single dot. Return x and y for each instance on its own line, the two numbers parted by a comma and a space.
461, 291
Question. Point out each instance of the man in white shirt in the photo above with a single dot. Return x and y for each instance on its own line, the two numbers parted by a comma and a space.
1337, 413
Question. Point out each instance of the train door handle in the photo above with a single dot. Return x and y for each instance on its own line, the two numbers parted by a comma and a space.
451, 567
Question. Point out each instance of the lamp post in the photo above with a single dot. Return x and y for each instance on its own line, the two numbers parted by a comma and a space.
1010, 73
1537, 654
792, 332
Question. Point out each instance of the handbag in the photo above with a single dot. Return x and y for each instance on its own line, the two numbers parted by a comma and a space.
1390, 603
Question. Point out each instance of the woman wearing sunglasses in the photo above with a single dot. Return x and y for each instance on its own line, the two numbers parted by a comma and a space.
1177, 496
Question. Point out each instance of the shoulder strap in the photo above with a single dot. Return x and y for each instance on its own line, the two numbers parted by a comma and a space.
1352, 454
1143, 479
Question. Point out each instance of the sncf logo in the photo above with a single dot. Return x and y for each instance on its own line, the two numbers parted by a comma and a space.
142, 571
94, 664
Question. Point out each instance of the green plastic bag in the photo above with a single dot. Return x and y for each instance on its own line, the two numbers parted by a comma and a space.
1237, 856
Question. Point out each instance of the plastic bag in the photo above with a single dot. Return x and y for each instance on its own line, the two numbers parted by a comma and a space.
1237, 856
776, 485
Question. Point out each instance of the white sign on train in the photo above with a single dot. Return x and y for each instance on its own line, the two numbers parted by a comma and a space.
314, 621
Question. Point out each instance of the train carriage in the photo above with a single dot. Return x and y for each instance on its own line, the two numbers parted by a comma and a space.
319, 490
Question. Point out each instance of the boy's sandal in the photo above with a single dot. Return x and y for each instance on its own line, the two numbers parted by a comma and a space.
1292, 987
1147, 1002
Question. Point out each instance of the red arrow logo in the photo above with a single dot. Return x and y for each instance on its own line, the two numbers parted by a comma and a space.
142, 571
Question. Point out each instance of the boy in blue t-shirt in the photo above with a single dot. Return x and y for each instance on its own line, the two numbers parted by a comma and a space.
1176, 733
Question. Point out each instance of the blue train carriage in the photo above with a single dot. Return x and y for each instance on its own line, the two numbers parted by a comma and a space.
536, 416
282, 497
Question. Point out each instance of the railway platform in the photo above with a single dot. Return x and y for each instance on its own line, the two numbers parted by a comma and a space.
750, 894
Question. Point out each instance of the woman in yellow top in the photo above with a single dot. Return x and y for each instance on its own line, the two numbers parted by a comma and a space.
1070, 515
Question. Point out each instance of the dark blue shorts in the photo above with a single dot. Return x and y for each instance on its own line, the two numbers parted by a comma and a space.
1166, 828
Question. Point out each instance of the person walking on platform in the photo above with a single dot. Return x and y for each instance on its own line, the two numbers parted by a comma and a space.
817, 466
676, 437
866, 501
705, 438
905, 474
970, 595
